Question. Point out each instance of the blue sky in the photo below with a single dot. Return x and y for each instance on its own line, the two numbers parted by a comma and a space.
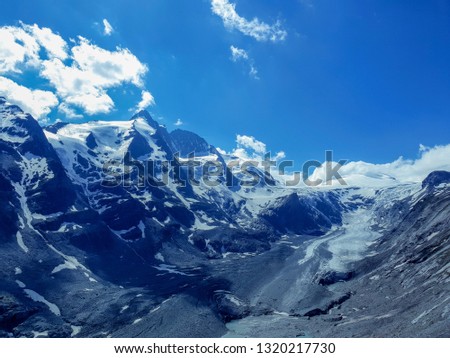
367, 79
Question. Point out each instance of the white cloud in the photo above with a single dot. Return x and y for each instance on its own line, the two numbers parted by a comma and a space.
53, 43
239, 54
107, 28
36, 102
146, 101
108, 68
93, 71
250, 142
18, 49
254, 28
68, 111
178, 123
93, 102
81, 73
399, 171
279, 156
77, 87
249, 148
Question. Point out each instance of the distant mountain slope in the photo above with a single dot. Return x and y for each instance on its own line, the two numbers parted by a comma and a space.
187, 142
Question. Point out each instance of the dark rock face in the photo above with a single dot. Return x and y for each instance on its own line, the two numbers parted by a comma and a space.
90, 141
139, 146
53, 128
325, 309
332, 277
56, 192
230, 307
186, 143
303, 215
161, 136
13, 313
435, 178
8, 214
181, 215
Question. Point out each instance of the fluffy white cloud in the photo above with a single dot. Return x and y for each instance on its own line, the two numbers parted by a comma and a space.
77, 87
239, 54
17, 49
250, 142
94, 70
146, 101
108, 68
279, 156
399, 171
81, 75
53, 43
107, 28
36, 102
254, 28
249, 148
178, 123
92, 102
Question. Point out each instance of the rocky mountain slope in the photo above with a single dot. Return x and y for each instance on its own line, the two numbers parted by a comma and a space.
94, 244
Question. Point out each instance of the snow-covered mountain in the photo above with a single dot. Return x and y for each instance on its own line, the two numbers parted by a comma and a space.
116, 216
